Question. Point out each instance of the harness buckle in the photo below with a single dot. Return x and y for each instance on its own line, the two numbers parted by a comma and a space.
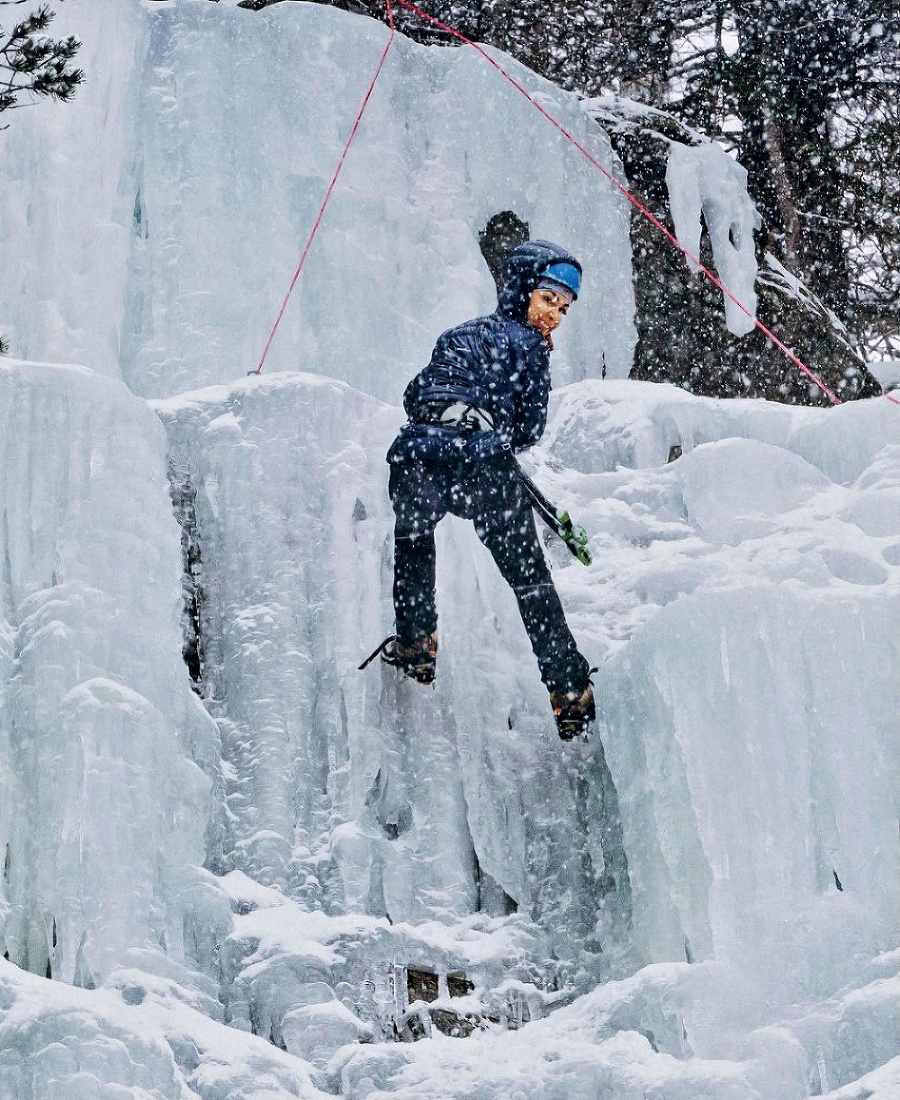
466, 417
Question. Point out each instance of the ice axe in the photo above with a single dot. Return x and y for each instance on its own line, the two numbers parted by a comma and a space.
560, 523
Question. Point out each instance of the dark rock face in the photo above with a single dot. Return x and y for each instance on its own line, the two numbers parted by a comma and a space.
453, 1024
421, 985
680, 317
504, 232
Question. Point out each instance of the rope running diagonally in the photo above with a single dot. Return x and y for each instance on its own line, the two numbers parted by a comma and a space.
616, 183
635, 202
331, 186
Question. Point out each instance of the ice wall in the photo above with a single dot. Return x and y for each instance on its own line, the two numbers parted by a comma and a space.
351, 790
740, 876
760, 677
773, 521
173, 199
101, 812
743, 607
67, 196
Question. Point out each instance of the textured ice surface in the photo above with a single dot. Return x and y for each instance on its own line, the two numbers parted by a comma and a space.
270, 887
158, 219
743, 605
743, 609
96, 716
396, 801
703, 179
881, 1084
887, 372
135, 1041
67, 196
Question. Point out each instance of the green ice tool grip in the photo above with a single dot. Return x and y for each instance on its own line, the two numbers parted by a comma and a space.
575, 537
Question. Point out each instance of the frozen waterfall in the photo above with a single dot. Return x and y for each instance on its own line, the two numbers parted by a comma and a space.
735, 893
160, 216
233, 865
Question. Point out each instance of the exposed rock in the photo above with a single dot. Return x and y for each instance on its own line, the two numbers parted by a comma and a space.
680, 316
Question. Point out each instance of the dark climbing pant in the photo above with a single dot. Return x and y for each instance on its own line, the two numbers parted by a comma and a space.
489, 494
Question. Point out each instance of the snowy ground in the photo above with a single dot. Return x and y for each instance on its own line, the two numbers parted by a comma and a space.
743, 609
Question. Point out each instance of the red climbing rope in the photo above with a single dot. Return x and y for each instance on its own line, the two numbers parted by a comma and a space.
331, 186
635, 202
616, 183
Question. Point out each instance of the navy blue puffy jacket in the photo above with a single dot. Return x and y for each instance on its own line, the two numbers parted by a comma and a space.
499, 363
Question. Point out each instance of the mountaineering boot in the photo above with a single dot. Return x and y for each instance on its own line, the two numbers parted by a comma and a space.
573, 711
417, 661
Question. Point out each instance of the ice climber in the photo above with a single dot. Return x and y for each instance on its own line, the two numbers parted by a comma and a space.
483, 397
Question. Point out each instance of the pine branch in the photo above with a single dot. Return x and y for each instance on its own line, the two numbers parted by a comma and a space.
31, 62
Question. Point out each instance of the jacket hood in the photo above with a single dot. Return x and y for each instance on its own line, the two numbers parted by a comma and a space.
522, 272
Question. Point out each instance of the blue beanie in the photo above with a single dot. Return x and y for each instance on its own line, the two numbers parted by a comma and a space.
567, 276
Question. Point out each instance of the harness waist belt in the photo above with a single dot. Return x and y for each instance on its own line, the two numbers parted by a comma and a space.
467, 417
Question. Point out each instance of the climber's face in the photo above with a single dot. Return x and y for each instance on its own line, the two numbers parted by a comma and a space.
546, 310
